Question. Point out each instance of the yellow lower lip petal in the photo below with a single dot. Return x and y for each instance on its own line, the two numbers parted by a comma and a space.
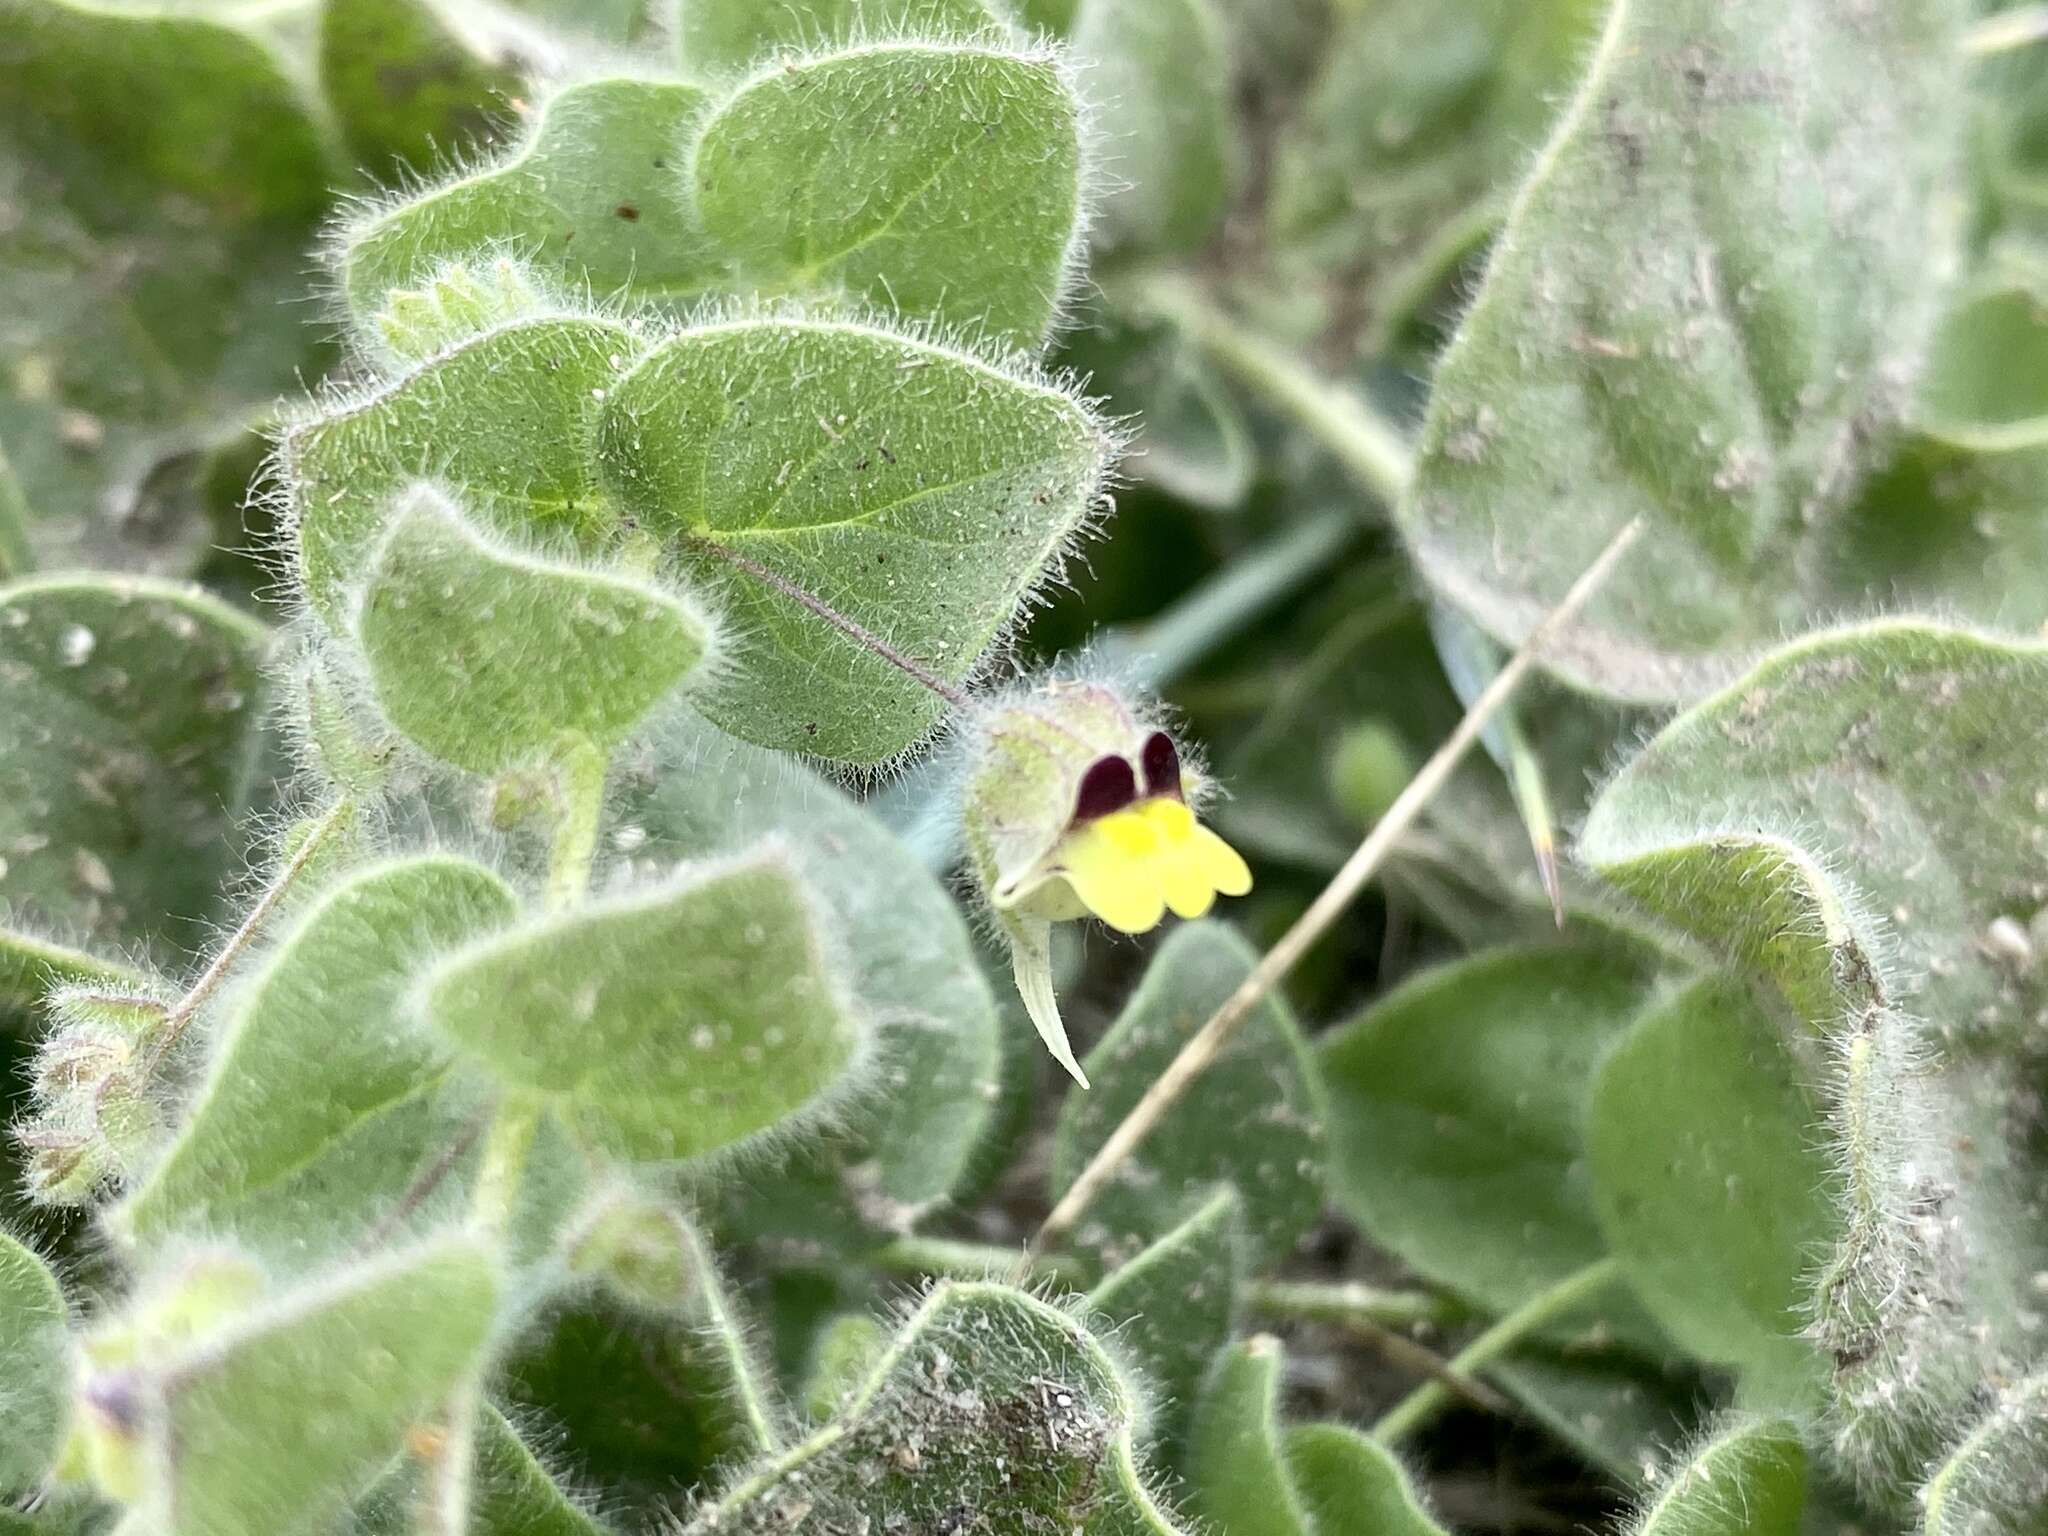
1121, 890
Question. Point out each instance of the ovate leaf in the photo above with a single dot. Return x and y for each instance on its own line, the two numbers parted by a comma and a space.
1264, 1086
989, 1405
482, 655
1728, 378
591, 196
942, 181
918, 490
665, 1024
1853, 824
317, 1091
1159, 73
1457, 1116
1748, 1480
1238, 1477
35, 1367
1346, 1482
1710, 1183
297, 1406
504, 421
1173, 1307
127, 715
911, 968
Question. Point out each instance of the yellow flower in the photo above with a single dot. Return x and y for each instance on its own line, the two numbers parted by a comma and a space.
1074, 806
1131, 867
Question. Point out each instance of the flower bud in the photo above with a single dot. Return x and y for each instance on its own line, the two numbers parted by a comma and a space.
1075, 805
639, 1249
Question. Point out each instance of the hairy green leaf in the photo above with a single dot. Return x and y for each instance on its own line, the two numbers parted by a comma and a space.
1457, 1116
483, 656
989, 1406
1173, 1307
1725, 375
591, 197
667, 1023
1995, 1481
1238, 1475
314, 1111
911, 968
1264, 1086
127, 714
1617, 1412
1748, 1480
164, 176
1159, 73
918, 490
35, 1367
504, 421
942, 180
1347, 1483
295, 1406
31, 966
1807, 821
1710, 1184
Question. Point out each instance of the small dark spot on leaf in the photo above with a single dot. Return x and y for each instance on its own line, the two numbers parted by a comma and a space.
628, 212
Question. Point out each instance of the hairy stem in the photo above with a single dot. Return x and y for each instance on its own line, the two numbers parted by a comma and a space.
947, 1256
1347, 1301
316, 838
1208, 1042
579, 787
753, 1395
1539, 1311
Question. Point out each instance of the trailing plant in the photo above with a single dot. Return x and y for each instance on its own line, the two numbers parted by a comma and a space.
625, 906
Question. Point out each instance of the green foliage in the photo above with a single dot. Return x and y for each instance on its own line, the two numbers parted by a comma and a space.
320, 1095
590, 197
704, 1011
131, 705
911, 970
407, 81
1747, 1480
1458, 1117
1709, 1184
35, 1363
1159, 71
920, 489
1727, 379
478, 653
1174, 1307
721, 35
224, 1424
473, 1078
1264, 1088
1042, 1438
956, 203
1252, 1477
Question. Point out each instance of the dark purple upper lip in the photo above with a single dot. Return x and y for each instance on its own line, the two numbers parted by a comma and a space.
1111, 784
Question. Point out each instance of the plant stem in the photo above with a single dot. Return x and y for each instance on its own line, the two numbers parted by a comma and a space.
1344, 887
1165, 647
858, 633
317, 836
725, 1327
503, 1165
1347, 1301
1373, 450
1425, 1402
579, 786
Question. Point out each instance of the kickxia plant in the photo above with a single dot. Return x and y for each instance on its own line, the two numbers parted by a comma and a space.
625, 907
